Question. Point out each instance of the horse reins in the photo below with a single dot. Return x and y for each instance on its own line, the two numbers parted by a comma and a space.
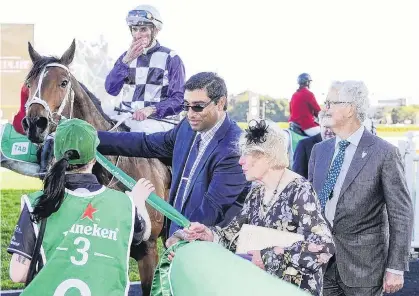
122, 120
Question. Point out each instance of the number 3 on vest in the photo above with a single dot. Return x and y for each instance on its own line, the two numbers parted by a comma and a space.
83, 251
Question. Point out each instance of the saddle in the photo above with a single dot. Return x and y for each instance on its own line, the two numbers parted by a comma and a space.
296, 128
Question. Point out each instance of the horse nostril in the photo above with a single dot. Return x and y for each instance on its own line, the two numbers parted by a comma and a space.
42, 123
25, 124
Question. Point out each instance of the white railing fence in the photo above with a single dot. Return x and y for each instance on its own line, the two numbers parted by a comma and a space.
411, 160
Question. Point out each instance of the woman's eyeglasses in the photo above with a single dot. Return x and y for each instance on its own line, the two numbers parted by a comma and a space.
195, 108
327, 104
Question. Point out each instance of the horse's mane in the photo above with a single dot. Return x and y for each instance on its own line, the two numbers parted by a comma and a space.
96, 102
39, 65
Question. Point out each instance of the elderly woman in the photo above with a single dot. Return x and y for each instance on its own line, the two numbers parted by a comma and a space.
281, 200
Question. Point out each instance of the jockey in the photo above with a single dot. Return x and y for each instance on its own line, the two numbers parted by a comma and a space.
151, 76
76, 229
304, 107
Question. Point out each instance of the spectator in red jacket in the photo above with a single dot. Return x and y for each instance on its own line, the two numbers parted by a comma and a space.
304, 107
17, 120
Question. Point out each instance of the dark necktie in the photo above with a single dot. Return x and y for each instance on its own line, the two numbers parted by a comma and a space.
193, 154
333, 174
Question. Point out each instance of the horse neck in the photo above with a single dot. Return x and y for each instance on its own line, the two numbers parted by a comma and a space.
86, 110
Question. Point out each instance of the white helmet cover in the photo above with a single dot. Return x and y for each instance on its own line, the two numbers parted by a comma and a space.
144, 14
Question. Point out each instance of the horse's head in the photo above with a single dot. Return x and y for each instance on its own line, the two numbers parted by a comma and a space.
50, 92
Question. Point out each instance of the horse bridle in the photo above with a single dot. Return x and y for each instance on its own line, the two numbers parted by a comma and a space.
37, 99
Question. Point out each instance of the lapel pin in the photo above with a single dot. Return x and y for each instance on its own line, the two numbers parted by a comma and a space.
363, 154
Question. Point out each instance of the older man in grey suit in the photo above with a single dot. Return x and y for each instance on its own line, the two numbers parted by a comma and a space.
360, 181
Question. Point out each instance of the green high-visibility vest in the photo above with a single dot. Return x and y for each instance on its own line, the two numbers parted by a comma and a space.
86, 245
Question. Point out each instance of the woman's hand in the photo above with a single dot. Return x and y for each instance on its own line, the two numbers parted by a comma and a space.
257, 259
198, 231
141, 191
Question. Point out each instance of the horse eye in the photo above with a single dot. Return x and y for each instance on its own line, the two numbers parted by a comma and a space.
64, 83
28, 85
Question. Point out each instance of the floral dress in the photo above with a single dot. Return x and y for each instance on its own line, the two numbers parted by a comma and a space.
296, 209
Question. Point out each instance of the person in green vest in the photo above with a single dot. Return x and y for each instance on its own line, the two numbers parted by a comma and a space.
87, 229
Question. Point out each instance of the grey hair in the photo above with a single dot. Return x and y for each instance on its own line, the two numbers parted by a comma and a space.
354, 92
274, 148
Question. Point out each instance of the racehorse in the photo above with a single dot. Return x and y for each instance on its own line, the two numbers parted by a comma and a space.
53, 93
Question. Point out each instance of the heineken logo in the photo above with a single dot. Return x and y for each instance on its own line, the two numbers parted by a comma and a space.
94, 230
88, 213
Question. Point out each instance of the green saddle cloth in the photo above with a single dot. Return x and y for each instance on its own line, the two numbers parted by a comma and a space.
16, 146
208, 269
295, 138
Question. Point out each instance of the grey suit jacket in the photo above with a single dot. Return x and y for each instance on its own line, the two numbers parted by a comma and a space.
373, 220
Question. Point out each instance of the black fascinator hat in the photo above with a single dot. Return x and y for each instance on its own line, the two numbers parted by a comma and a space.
256, 132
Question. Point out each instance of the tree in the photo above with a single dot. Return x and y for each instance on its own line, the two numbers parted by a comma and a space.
275, 109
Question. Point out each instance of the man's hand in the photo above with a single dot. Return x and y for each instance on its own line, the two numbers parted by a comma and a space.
134, 51
171, 256
172, 240
392, 282
143, 114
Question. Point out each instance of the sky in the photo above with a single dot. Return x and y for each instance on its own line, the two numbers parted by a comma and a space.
254, 45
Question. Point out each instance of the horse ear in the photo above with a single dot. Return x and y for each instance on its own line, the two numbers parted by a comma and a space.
33, 54
68, 56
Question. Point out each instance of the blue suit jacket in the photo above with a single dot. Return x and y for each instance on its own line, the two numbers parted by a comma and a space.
218, 181
302, 154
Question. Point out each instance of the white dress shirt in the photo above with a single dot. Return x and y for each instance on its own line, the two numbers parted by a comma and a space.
354, 139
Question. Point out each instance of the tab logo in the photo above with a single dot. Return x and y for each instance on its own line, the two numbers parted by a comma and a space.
20, 148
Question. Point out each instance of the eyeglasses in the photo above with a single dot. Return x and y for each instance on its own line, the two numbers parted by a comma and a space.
195, 108
327, 104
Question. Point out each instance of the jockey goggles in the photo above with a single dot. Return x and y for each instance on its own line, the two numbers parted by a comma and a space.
195, 108
138, 17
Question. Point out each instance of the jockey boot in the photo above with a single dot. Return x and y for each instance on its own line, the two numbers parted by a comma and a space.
46, 156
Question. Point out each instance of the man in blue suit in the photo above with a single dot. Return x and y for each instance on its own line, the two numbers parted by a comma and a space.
208, 183
303, 151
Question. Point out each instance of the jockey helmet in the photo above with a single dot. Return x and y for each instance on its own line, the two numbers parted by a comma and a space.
144, 15
304, 79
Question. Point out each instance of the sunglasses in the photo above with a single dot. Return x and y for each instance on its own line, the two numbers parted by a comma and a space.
195, 108
327, 104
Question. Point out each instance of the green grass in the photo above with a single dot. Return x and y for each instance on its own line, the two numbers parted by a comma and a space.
10, 209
